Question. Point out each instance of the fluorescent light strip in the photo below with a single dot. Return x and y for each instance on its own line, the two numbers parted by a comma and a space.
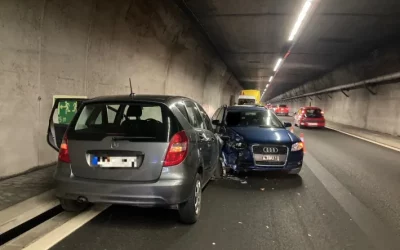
300, 19
270, 78
278, 63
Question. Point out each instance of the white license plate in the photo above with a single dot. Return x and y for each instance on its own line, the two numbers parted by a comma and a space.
270, 157
312, 124
118, 162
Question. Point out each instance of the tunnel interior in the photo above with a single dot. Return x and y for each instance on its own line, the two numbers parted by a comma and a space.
279, 177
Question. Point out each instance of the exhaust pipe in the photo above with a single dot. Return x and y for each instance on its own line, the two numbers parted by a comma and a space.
82, 199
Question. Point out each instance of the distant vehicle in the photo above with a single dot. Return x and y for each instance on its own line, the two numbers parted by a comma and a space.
309, 117
139, 150
251, 92
247, 100
282, 109
256, 140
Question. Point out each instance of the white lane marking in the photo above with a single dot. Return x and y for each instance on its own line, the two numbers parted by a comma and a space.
35, 233
365, 139
372, 226
58, 234
22, 212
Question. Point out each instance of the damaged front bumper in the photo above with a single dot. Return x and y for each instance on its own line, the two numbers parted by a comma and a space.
242, 160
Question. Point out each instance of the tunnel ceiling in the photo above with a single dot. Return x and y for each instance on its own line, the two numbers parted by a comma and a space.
251, 35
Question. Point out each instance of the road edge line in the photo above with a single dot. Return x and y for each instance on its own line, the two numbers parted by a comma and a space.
365, 139
53, 237
26, 210
35, 233
364, 217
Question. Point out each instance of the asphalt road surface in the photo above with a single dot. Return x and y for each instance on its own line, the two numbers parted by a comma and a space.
346, 197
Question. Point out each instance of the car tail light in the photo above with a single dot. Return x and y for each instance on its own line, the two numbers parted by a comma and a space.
177, 149
63, 153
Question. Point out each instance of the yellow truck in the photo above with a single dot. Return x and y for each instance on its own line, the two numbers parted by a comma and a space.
249, 96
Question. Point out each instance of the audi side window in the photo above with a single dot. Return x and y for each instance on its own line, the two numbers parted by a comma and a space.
214, 117
220, 115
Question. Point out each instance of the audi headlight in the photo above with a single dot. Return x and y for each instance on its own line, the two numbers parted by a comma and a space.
239, 145
239, 142
297, 146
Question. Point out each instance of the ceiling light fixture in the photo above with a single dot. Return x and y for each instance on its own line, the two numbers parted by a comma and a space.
300, 19
270, 78
278, 63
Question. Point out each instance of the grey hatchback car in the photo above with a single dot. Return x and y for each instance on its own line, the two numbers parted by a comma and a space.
141, 150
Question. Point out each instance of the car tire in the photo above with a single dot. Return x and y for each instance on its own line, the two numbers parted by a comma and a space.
73, 205
189, 211
301, 126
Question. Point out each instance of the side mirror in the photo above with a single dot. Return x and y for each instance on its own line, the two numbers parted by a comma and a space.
287, 124
216, 123
225, 137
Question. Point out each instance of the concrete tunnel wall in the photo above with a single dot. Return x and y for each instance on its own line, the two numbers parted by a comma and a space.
91, 48
380, 112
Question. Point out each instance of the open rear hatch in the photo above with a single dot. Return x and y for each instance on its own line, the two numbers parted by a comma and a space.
121, 141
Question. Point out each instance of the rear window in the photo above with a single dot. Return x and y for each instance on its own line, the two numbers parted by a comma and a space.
139, 121
313, 113
246, 101
282, 106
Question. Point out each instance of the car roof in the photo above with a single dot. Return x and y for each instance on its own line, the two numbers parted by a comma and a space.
245, 107
166, 99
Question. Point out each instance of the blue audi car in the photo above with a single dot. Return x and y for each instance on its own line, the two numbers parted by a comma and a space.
256, 140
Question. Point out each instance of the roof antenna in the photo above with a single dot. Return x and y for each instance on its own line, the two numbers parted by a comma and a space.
130, 84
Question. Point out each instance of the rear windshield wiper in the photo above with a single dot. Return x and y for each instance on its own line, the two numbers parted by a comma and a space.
128, 138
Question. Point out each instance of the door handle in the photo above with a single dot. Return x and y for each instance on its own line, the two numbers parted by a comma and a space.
204, 138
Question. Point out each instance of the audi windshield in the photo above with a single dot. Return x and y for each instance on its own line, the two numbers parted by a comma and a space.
253, 118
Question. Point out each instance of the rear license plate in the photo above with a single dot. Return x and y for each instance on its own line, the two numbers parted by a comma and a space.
312, 124
115, 161
270, 157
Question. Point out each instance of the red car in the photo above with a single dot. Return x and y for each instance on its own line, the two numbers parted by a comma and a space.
309, 117
282, 109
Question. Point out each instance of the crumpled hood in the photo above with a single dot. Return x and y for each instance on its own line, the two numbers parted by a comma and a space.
265, 135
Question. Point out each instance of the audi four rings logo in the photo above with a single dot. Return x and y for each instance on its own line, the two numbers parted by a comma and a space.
270, 150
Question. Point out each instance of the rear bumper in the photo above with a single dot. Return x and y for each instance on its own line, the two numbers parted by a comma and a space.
313, 124
281, 113
170, 189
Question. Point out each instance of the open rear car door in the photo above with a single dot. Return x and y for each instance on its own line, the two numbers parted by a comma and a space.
64, 109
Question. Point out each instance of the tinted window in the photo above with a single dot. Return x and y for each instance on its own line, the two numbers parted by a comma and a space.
313, 113
195, 118
112, 112
260, 118
282, 106
140, 121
